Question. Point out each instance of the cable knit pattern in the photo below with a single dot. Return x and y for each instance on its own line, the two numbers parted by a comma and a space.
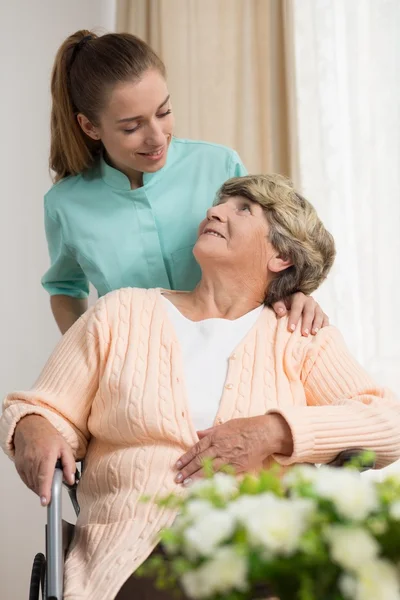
114, 389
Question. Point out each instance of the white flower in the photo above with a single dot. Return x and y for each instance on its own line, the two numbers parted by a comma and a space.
206, 532
376, 580
224, 485
245, 505
273, 523
353, 496
351, 547
194, 509
394, 510
348, 586
226, 571
299, 474
197, 507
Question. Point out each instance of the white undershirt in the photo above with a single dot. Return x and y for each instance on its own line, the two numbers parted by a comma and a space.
206, 347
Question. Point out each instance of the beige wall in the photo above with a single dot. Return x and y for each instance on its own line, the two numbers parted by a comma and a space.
30, 33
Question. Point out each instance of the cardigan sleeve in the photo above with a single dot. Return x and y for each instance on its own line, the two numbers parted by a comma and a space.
345, 408
65, 389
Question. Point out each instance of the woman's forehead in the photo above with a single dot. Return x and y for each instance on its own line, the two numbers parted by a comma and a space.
137, 98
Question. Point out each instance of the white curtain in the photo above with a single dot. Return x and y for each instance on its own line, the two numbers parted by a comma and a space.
347, 70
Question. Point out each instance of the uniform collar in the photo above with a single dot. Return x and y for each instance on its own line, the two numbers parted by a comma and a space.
118, 180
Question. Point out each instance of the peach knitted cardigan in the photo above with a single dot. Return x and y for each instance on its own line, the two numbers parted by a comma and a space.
114, 389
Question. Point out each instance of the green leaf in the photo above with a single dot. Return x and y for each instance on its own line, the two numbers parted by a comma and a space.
361, 461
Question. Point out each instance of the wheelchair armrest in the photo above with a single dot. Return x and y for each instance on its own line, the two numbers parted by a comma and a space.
71, 488
346, 456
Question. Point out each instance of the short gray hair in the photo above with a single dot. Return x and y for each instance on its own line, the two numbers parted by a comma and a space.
296, 232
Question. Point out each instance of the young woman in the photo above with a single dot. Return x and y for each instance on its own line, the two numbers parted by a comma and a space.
128, 195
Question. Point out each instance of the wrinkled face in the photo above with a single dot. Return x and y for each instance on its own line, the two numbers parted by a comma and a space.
137, 124
235, 236
235, 232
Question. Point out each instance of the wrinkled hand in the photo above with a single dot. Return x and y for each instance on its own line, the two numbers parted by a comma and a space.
38, 446
299, 306
241, 443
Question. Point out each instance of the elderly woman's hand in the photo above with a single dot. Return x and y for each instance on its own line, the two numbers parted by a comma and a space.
241, 443
305, 308
38, 446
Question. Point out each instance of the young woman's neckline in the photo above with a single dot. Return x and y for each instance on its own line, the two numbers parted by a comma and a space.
117, 179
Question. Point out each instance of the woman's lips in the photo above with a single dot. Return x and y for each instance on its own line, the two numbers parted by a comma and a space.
213, 232
155, 155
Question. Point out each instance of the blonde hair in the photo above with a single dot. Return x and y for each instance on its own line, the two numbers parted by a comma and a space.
85, 69
296, 232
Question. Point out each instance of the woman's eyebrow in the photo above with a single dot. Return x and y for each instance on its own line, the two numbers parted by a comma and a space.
126, 119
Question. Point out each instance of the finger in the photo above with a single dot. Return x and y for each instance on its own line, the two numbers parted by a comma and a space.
298, 303
280, 308
69, 466
24, 475
203, 432
30, 470
288, 302
45, 479
318, 319
307, 316
325, 322
195, 450
196, 464
31, 478
217, 466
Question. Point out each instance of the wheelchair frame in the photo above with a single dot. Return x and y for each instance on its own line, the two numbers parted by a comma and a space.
48, 571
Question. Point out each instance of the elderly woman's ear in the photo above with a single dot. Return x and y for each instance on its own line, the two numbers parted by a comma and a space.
278, 263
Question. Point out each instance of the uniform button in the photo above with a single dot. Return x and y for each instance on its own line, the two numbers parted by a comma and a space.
229, 386
219, 421
234, 356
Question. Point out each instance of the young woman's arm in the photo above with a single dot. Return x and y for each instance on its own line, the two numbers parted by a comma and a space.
65, 280
66, 310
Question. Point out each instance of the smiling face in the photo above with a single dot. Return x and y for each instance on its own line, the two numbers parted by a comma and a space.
235, 236
136, 126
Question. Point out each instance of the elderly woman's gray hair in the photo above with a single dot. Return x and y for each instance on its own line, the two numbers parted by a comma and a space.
296, 232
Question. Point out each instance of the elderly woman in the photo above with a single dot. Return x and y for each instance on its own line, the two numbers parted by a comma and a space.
148, 383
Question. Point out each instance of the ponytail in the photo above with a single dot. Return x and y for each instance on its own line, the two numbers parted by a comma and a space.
85, 68
71, 150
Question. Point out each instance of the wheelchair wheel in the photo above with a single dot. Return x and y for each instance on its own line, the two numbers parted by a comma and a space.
37, 578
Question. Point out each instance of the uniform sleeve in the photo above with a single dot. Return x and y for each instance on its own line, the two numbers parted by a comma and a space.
236, 167
345, 408
65, 275
65, 390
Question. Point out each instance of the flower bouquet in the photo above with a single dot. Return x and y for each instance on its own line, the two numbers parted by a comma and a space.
315, 534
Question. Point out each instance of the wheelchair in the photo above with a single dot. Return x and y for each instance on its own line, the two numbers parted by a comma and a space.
47, 577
